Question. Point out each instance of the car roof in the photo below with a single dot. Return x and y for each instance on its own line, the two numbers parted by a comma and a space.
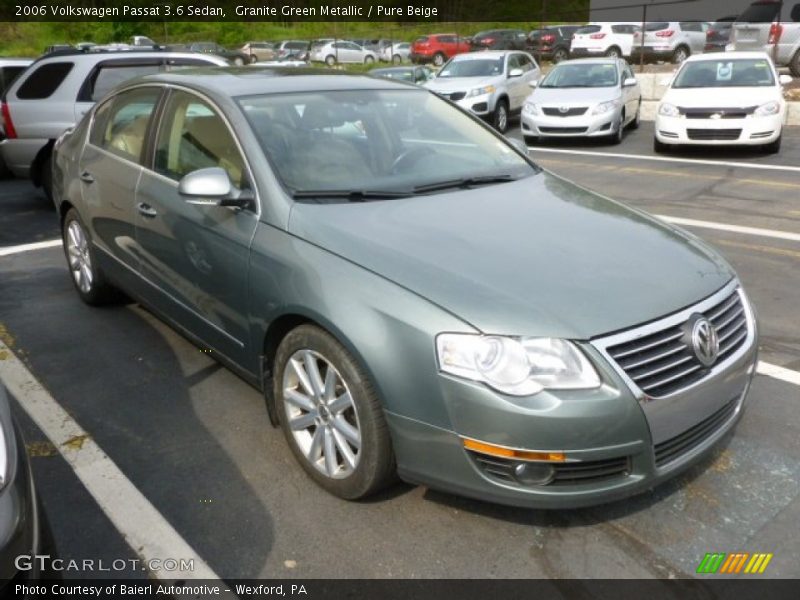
245, 81
485, 54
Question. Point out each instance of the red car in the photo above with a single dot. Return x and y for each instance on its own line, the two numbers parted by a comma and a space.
438, 48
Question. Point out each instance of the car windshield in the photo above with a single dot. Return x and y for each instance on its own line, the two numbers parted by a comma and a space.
577, 75
481, 67
376, 143
725, 73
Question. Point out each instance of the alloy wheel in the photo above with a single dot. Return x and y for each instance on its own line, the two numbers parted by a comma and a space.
80, 261
321, 414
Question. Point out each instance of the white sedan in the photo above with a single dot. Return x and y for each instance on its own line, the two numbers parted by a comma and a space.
339, 52
735, 98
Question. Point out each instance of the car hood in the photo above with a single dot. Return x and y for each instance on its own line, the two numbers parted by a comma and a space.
538, 256
733, 97
570, 96
459, 84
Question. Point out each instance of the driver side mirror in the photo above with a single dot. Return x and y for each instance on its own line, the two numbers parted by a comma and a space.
534, 84
212, 187
785, 79
629, 82
515, 73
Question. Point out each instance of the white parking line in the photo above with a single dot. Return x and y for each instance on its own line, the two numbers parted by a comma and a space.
8, 250
147, 532
691, 161
773, 233
777, 372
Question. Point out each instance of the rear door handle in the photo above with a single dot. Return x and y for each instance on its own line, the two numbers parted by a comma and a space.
146, 210
87, 177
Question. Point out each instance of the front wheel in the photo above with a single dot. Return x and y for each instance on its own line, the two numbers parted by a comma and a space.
773, 147
238, 61
438, 59
560, 54
500, 116
331, 415
680, 55
91, 285
619, 133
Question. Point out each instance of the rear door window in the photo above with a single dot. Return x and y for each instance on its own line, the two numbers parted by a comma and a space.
121, 125
44, 81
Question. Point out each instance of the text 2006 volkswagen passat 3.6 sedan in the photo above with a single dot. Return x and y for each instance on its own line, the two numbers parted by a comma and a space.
413, 295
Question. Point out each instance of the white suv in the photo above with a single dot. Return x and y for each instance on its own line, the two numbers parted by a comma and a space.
58, 89
603, 39
669, 41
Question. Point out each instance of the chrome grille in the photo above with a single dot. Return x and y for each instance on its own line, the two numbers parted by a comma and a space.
568, 473
675, 447
572, 111
664, 362
721, 113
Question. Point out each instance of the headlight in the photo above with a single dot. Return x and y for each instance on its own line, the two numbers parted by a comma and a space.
605, 107
481, 91
529, 108
770, 108
516, 366
668, 110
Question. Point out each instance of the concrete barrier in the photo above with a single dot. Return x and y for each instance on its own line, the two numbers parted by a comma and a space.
653, 89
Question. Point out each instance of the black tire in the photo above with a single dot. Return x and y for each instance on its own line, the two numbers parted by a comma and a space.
500, 116
560, 54
238, 61
46, 177
637, 120
375, 468
614, 52
681, 54
660, 147
253, 59
794, 65
619, 132
773, 147
330, 60
439, 59
368, 60
100, 291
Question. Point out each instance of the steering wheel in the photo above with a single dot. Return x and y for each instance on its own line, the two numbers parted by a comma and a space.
409, 157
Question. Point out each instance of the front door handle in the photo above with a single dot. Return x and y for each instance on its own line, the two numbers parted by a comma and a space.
146, 210
87, 177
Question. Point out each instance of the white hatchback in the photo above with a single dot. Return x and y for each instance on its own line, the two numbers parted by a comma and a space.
735, 98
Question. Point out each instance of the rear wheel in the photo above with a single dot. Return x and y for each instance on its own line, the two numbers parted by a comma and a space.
438, 59
794, 65
89, 281
330, 60
397, 59
560, 54
331, 415
238, 61
500, 116
681, 54
368, 60
613, 52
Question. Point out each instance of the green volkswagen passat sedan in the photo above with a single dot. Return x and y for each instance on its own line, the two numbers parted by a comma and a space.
413, 295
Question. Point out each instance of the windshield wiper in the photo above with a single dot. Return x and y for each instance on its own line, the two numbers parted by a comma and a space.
462, 183
351, 195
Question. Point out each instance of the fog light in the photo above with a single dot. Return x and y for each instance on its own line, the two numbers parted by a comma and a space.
534, 473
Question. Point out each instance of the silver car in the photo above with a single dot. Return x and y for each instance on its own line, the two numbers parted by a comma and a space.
492, 85
341, 51
591, 97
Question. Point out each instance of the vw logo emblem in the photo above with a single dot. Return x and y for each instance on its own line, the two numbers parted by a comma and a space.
563, 109
705, 341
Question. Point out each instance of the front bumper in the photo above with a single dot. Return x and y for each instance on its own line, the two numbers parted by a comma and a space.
611, 436
482, 106
586, 125
748, 131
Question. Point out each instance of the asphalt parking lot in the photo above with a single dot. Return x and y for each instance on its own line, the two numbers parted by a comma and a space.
195, 440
